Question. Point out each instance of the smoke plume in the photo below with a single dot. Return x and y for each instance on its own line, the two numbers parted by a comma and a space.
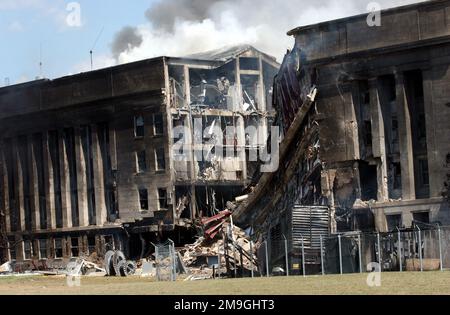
182, 27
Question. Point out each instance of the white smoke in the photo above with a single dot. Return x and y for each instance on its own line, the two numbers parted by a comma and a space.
182, 27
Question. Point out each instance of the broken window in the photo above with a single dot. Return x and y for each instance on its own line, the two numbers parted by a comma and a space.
368, 133
394, 222
42, 249
143, 199
109, 243
139, 126
27, 250
397, 169
91, 245
421, 217
141, 161
247, 63
162, 199
158, 125
75, 247
369, 181
160, 159
12, 250
58, 248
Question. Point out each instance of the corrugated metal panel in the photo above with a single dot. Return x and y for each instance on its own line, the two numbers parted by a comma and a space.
309, 222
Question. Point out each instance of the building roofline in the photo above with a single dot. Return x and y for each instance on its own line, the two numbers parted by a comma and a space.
394, 10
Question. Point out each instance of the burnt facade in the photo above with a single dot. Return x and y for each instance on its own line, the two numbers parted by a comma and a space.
87, 162
374, 145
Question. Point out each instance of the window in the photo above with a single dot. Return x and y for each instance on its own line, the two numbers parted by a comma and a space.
91, 245
424, 174
158, 125
160, 159
143, 199
162, 199
421, 217
42, 249
139, 130
58, 248
12, 250
368, 133
109, 243
394, 222
28, 250
397, 169
75, 249
141, 161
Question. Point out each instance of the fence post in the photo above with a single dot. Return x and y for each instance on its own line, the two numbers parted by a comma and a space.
286, 255
420, 248
340, 254
360, 254
172, 254
267, 259
303, 256
379, 252
251, 262
440, 248
400, 249
321, 255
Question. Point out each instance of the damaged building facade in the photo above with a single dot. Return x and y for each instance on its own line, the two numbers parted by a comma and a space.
87, 161
372, 149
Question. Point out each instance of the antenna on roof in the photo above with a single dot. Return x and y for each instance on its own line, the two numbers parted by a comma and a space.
91, 52
40, 61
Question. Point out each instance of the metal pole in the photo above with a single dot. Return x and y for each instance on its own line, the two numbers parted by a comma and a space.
360, 254
251, 255
267, 259
379, 252
340, 254
440, 248
400, 250
420, 248
286, 255
322, 260
303, 256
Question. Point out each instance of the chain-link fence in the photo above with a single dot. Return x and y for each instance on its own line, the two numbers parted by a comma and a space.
416, 249
166, 261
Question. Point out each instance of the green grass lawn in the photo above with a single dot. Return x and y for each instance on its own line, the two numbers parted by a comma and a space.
392, 283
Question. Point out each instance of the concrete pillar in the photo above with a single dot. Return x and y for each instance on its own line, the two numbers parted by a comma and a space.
49, 184
65, 181
262, 105
19, 187
5, 192
100, 204
378, 140
238, 85
405, 140
435, 169
34, 186
81, 180
240, 130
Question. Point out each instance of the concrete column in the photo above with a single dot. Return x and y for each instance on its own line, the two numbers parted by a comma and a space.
81, 181
5, 192
405, 140
65, 181
99, 183
238, 85
262, 106
435, 169
240, 130
34, 186
49, 184
19, 187
378, 140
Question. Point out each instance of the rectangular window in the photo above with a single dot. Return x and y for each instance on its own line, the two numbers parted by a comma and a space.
12, 250
42, 249
58, 248
160, 159
141, 161
421, 217
368, 133
109, 243
143, 199
158, 125
162, 199
394, 222
139, 126
75, 247
27, 250
91, 245
397, 169
424, 174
